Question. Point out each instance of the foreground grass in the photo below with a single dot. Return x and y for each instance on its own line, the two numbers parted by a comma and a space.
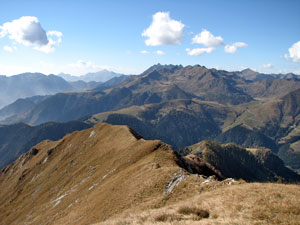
248, 203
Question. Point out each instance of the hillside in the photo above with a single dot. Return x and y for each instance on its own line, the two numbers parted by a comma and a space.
217, 203
19, 138
85, 177
250, 164
20, 106
99, 173
271, 88
246, 137
275, 118
176, 122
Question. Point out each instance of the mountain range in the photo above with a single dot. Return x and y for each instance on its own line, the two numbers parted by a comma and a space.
20, 93
184, 105
32, 84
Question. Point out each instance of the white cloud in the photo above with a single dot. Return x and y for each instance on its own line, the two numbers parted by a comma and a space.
159, 52
50, 47
207, 39
144, 52
294, 52
163, 30
268, 65
233, 47
9, 48
28, 31
198, 51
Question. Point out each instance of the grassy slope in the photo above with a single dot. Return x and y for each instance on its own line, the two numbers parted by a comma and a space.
84, 177
241, 203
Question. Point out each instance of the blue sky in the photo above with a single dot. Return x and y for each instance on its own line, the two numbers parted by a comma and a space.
77, 37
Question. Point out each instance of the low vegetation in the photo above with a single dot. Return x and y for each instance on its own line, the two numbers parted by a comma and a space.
246, 203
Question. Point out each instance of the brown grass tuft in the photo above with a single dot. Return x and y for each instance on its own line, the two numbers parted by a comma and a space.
166, 217
198, 213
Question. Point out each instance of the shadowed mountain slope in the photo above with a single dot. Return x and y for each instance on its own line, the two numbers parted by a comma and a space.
19, 138
267, 88
250, 164
177, 122
246, 137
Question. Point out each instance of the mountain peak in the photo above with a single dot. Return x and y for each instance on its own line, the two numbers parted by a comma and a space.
248, 71
165, 68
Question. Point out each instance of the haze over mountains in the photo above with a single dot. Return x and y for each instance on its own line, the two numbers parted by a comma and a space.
32, 84
100, 76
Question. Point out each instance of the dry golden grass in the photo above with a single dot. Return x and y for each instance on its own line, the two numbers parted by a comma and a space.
247, 203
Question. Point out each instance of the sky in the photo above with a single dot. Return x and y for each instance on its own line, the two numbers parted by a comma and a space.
128, 36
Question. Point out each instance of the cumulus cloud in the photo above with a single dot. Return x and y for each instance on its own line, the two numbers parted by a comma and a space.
163, 30
159, 52
207, 39
9, 48
144, 52
294, 52
268, 65
233, 47
198, 51
28, 31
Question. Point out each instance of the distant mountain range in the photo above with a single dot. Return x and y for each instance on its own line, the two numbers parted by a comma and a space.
100, 76
21, 92
31, 84
158, 85
249, 74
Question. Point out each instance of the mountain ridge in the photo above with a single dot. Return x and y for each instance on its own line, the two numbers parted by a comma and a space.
94, 174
